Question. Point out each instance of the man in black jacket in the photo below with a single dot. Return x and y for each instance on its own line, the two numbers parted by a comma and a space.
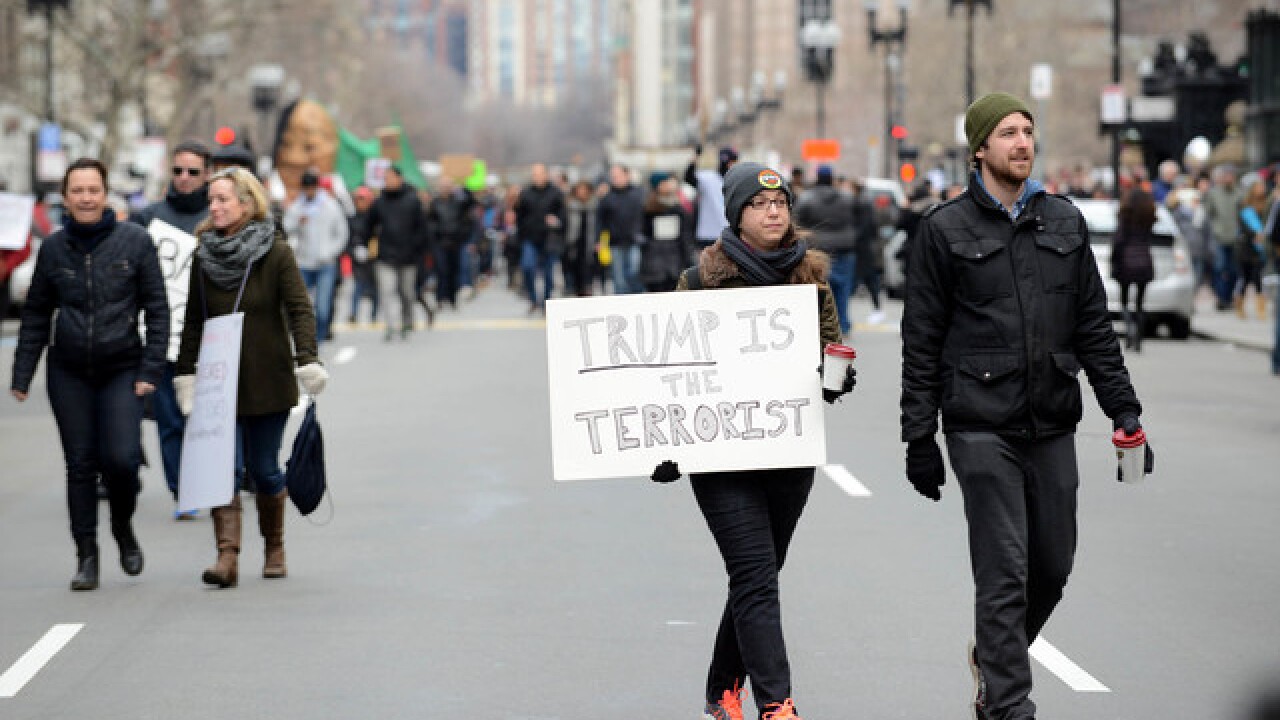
1004, 307
540, 223
621, 214
450, 222
397, 221
828, 212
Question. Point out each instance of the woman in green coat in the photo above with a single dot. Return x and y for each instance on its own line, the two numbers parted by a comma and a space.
243, 264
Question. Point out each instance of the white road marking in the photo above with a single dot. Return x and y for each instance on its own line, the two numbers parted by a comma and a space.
680, 622
847, 482
1070, 673
345, 355
36, 658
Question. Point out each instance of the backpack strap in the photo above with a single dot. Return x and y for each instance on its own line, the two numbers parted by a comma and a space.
693, 278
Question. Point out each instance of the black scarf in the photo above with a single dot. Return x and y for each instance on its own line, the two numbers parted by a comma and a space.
226, 259
87, 237
188, 203
762, 268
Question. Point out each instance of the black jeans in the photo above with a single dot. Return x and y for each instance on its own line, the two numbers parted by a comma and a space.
100, 422
752, 516
1020, 501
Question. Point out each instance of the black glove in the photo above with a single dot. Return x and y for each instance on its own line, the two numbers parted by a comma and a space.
925, 469
666, 472
697, 148
1127, 422
850, 379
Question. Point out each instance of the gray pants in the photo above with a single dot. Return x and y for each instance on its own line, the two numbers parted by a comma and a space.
1020, 502
397, 281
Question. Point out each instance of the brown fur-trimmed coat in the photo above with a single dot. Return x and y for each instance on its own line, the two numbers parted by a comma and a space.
716, 270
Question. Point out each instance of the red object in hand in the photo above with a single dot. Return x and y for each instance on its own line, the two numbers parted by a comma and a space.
842, 351
1120, 440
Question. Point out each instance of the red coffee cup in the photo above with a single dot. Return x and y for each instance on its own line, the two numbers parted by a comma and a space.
835, 365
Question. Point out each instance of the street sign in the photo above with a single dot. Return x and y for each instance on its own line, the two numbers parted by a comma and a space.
1041, 81
1112, 106
819, 150
49, 137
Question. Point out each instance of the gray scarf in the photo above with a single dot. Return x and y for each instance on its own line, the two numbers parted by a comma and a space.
226, 259
762, 268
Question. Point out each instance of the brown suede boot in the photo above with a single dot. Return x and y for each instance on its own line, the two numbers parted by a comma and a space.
226, 530
271, 523
1261, 301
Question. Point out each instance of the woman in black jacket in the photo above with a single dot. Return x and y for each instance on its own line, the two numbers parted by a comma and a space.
96, 274
1131, 263
668, 238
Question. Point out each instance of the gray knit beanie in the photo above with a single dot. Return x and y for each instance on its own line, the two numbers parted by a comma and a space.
743, 181
986, 113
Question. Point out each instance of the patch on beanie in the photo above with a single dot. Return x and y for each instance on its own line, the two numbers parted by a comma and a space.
769, 179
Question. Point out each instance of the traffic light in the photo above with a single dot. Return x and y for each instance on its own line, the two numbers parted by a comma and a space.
899, 132
907, 172
224, 136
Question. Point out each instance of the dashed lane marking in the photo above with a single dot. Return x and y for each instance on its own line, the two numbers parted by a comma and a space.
1067, 671
534, 323
345, 355
847, 482
36, 658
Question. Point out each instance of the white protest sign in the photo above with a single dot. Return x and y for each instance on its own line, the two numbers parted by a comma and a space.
714, 380
15, 220
175, 249
207, 474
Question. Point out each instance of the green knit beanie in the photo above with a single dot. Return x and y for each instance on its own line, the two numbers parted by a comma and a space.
986, 113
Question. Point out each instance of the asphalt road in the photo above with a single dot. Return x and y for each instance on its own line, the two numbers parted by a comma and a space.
456, 579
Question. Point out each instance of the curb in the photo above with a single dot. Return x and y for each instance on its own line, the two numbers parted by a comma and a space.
1237, 341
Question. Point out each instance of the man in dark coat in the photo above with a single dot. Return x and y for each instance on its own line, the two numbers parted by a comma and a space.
397, 221
1004, 307
828, 212
621, 214
540, 224
450, 223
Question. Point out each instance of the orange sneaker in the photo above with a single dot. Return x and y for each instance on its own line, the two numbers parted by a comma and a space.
729, 707
786, 710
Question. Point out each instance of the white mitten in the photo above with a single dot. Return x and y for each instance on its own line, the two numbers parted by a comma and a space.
184, 387
313, 377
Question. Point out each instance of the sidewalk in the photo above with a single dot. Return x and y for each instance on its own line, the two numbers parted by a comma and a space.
1225, 326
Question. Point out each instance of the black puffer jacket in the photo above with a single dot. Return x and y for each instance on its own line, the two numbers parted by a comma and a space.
1000, 318
97, 296
398, 221
828, 212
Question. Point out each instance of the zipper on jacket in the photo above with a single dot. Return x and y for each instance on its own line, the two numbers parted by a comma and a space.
88, 274
1026, 335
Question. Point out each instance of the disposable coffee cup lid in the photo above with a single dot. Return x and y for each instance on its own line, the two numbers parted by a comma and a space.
1121, 440
838, 350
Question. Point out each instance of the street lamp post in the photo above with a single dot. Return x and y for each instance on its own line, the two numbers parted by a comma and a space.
970, 7
820, 39
894, 41
266, 82
47, 7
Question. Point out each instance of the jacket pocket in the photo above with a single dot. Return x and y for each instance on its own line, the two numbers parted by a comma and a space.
986, 390
70, 287
1059, 259
1062, 394
119, 281
981, 270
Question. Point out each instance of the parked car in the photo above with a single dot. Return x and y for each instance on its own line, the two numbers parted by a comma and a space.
1171, 296
888, 199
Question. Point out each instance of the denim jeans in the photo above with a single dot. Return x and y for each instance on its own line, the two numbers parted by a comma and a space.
1225, 274
626, 270
320, 283
532, 262
170, 425
841, 280
99, 420
752, 516
258, 439
366, 285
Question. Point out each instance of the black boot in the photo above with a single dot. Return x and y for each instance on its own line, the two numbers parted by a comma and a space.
130, 552
86, 577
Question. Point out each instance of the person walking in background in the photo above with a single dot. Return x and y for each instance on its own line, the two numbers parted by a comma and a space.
621, 215
753, 514
362, 252
828, 213
398, 222
581, 237
450, 222
869, 243
669, 232
1131, 263
319, 231
999, 319
96, 274
244, 264
540, 221
708, 214
185, 205
1251, 250
1222, 208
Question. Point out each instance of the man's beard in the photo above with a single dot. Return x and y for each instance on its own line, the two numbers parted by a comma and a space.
1007, 176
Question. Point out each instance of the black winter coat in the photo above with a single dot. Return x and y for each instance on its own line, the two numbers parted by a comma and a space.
451, 218
669, 249
1131, 257
181, 211
533, 206
621, 214
1000, 318
97, 296
397, 220
828, 212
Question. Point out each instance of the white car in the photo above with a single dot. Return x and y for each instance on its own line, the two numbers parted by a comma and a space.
1171, 296
888, 199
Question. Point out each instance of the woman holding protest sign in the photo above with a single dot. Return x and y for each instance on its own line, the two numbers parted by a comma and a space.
752, 514
244, 265
96, 274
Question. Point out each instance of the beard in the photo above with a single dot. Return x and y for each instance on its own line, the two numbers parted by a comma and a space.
1007, 175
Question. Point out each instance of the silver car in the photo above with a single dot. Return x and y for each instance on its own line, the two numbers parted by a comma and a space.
1171, 296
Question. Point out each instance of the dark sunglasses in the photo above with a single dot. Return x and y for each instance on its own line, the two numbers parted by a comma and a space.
193, 172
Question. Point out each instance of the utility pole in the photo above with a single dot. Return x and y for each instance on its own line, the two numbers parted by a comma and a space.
1115, 79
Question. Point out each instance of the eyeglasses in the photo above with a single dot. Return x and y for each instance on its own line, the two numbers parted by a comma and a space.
762, 203
193, 172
